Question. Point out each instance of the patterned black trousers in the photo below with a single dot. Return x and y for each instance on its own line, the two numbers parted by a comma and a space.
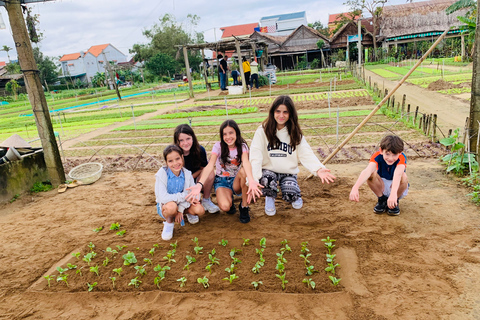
288, 185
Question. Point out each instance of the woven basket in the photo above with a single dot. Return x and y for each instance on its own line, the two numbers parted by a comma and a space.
86, 173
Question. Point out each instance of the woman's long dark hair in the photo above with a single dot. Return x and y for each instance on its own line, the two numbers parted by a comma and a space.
195, 149
270, 125
238, 142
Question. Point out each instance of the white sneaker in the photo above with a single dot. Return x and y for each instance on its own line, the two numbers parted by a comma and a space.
209, 206
270, 206
167, 232
192, 219
297, 204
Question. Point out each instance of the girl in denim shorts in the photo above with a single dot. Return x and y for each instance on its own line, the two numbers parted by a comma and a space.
232, 171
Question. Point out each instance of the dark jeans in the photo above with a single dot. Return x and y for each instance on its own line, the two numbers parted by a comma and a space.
235, 78
223, 81
254, 77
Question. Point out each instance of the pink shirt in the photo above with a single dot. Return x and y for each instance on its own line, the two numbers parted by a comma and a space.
230, 169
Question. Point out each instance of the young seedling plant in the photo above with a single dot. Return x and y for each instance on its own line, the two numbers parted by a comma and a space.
148, 261
112, 251
213, 261
170, 255
129, 258
304, 248
310, 270
121, 233
331, 267
330, 257
255, 284
98, 229
119, 247
231, 278
263, 242
197, 246
63, 277
223, 242
182, 281
174, 245
305, 258
161, 271
335, 281
135, 282
113, 281
310, 283
329, 244
152, 251
282, 277
203, 281
190, 260
118, 270
49, 278
94, 270
115, 226
91, 246
141, 270
91, 286
88, 257
106, 261
245, 242
77, 255
61, 270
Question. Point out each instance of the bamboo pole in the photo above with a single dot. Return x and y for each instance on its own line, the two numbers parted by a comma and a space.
372, 113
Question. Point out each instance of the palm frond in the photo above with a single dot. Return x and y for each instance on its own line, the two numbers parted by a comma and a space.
460, 4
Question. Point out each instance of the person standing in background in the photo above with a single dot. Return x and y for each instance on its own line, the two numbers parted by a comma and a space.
254, 75
223, 71
246, 71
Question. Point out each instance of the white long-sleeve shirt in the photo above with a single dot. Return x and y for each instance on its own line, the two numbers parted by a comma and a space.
161, 194
284, 159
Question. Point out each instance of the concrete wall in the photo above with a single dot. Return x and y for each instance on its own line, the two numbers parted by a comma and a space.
18, 177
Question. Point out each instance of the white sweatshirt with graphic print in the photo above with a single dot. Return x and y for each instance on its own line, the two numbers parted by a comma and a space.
283, 159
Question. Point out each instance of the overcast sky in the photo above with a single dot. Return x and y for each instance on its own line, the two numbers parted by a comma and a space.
70, 26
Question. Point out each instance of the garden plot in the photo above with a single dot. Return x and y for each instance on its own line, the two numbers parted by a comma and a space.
263, 265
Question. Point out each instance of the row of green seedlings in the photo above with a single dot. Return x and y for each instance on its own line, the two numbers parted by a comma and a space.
114, 227
281, 262
129, 259
215, 261
331, 265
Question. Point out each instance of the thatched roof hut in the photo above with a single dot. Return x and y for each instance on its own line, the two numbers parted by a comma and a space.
417, 18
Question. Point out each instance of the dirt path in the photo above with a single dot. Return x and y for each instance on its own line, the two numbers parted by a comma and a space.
423, 264
451, 111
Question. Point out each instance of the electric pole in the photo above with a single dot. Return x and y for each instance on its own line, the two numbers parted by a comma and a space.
35, 92
112, 77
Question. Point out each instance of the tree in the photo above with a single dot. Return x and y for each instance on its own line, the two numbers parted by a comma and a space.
165, 38
320, 44
98, 79
375, 8
13, 68
161, 64
475, 101
12, 87
48, 70
469, 19
318, 25
6, 49
343, 19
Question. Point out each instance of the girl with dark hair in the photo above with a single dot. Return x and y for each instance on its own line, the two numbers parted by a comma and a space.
195, 158
233, 170
171, 183
277, 147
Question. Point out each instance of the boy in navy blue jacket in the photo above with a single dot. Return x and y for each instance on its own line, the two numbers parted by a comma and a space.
386, 176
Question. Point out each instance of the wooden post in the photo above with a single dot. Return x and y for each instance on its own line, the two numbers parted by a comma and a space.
205, 70
36, 95
398, 107
393, 103
240, 65
403, 103
434, 134
416, 113
429, 124
408, 112
189, 76
420, 122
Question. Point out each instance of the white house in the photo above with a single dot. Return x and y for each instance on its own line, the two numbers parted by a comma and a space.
283, 24
84, 65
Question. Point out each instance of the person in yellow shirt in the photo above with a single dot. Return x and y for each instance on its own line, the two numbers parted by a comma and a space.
246, 71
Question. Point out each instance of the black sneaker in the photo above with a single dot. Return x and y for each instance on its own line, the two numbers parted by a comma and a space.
395, 211
232, 210
381, 205
244, 214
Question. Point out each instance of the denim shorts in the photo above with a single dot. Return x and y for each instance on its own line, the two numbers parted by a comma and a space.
159, 211
224, 182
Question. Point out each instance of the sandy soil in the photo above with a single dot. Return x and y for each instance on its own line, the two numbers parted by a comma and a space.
420, 265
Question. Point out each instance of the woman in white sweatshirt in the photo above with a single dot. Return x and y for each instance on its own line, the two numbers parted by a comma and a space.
276, 149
